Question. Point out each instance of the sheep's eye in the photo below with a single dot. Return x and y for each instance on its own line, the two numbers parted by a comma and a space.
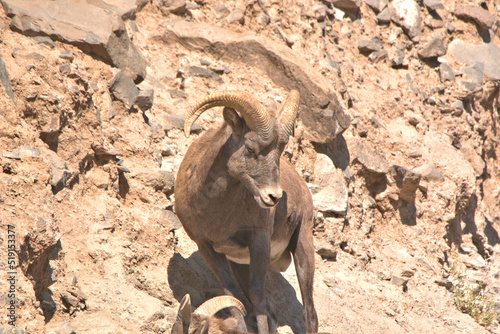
250, 150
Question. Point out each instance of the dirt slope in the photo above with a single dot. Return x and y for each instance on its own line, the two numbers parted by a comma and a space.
402, 165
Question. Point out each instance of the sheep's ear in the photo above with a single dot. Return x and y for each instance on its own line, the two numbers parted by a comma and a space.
234, 120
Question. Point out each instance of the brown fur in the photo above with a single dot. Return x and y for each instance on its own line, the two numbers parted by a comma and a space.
224, 195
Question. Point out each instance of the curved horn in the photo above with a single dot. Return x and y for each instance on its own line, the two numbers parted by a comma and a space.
288, 112
214, 305
254, 113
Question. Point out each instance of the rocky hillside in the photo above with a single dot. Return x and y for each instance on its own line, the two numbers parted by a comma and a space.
398, 139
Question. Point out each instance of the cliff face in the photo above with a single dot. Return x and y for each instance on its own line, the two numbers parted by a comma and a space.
397, 138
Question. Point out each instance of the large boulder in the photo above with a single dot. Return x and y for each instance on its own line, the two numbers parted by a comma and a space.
470, 54
321, 113
90, 27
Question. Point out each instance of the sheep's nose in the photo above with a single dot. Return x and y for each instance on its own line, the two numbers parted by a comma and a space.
275, 195
271, 195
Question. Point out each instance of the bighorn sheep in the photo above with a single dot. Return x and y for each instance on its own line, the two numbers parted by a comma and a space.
202, 321
247, 208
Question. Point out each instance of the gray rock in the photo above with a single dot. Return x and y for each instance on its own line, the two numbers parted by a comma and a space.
66, 55
326, 252
93, 29
450, 28
433, 4
433, 49
174, 121
429, 173
347, 4
65, 69
370, 45
406, 13
159, 180
398, 58
45, 40
11, 155
66, 327
444, 282
433, 22
481, 16
322, 115
331, 192
399, 281
377, 56
124, 89
474, 159
26, 151
126, 9
446, 73
174, 6
370, 160
470, 54
197, 71
332, 199
384, 17
407, 182
145, 98
458, 105
474, 73
164, 218
376, 5
59, 170
236, 16
4, 79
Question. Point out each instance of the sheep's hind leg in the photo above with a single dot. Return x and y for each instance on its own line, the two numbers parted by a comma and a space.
219, 265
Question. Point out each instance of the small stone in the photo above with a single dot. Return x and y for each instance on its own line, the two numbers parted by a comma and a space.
145, 99
433, 49
376, 5
370, 159
399, 281
59, 170
377, 56
415, 154
433, 4
236, 16
12, 155
444, 282
320, 13
450, 28
66, 55
65, 69
124, 89
66, 328
174, 6
348, 5
366, 228
429, 173
205, 62
481, 16
327, 253
446, 73
398, 58
475, 73
434, 23
45, 40
384, 17
457, 105
369, 45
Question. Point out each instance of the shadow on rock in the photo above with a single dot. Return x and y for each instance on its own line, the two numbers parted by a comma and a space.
191, 275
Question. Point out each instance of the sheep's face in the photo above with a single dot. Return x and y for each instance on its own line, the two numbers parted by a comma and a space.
255, 162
